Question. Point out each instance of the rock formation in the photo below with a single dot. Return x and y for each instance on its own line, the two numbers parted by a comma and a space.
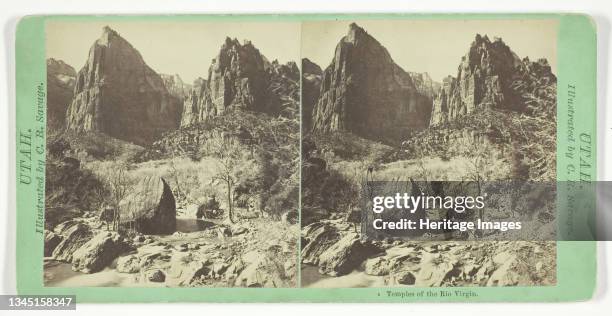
490, 76
150, 208
284, 89
60, 85
424, 84
175, 86
311, 86
240, 77
99, 252
237, 77
116, 93
74, 235
364, 92
198, 104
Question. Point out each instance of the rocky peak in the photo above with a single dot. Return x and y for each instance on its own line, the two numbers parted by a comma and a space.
118, 94
59, 67
488, 77
176, 86
241, 78
309, 67
237, 77
289, 70
424, 84
363, 91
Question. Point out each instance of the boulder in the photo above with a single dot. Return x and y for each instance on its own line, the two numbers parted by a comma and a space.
157, 276
377, 266
185, 268
505, 273
51, 241
74, 236
317, 237
434, 270
98, 253
260, 271
238, 230
345, 255
150, 207
128, 264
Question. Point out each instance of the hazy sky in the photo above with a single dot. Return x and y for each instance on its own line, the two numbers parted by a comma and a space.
437, 46
185, 48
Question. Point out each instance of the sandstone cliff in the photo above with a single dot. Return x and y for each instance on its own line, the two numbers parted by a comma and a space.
424, 84
237, 76
176, 86
116, 93
60, 85
311, 86
241, 78
490, 76
364, 92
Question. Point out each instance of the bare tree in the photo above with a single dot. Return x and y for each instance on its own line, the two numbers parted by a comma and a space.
120, 186
226, 176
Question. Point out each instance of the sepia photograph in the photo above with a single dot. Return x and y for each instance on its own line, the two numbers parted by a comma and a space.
172, 154
416, 101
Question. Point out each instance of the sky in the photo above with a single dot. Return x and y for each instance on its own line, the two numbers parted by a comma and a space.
187, 48
184, 48
435, 47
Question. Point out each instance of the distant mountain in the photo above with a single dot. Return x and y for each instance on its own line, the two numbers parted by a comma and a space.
118, 94
241, 78
424, 84
175, 85
365, 92
491, 76
61, 78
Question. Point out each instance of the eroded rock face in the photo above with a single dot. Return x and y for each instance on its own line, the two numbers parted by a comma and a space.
128, 264
333, 249
259, 271
238, 77
51, 241
491, 76
311, 86
364, 92
98, 253
345, 255
198, 104
61, 78
176, 86
74, 236
317, 237
118, 94
241, 78
424, 84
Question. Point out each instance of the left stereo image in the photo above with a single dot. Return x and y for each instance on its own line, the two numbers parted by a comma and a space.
172, 154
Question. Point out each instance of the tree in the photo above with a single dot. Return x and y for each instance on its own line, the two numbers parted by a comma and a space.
235, 164
120, 185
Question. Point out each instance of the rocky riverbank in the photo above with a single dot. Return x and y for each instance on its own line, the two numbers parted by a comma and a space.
220, 255
336, 250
